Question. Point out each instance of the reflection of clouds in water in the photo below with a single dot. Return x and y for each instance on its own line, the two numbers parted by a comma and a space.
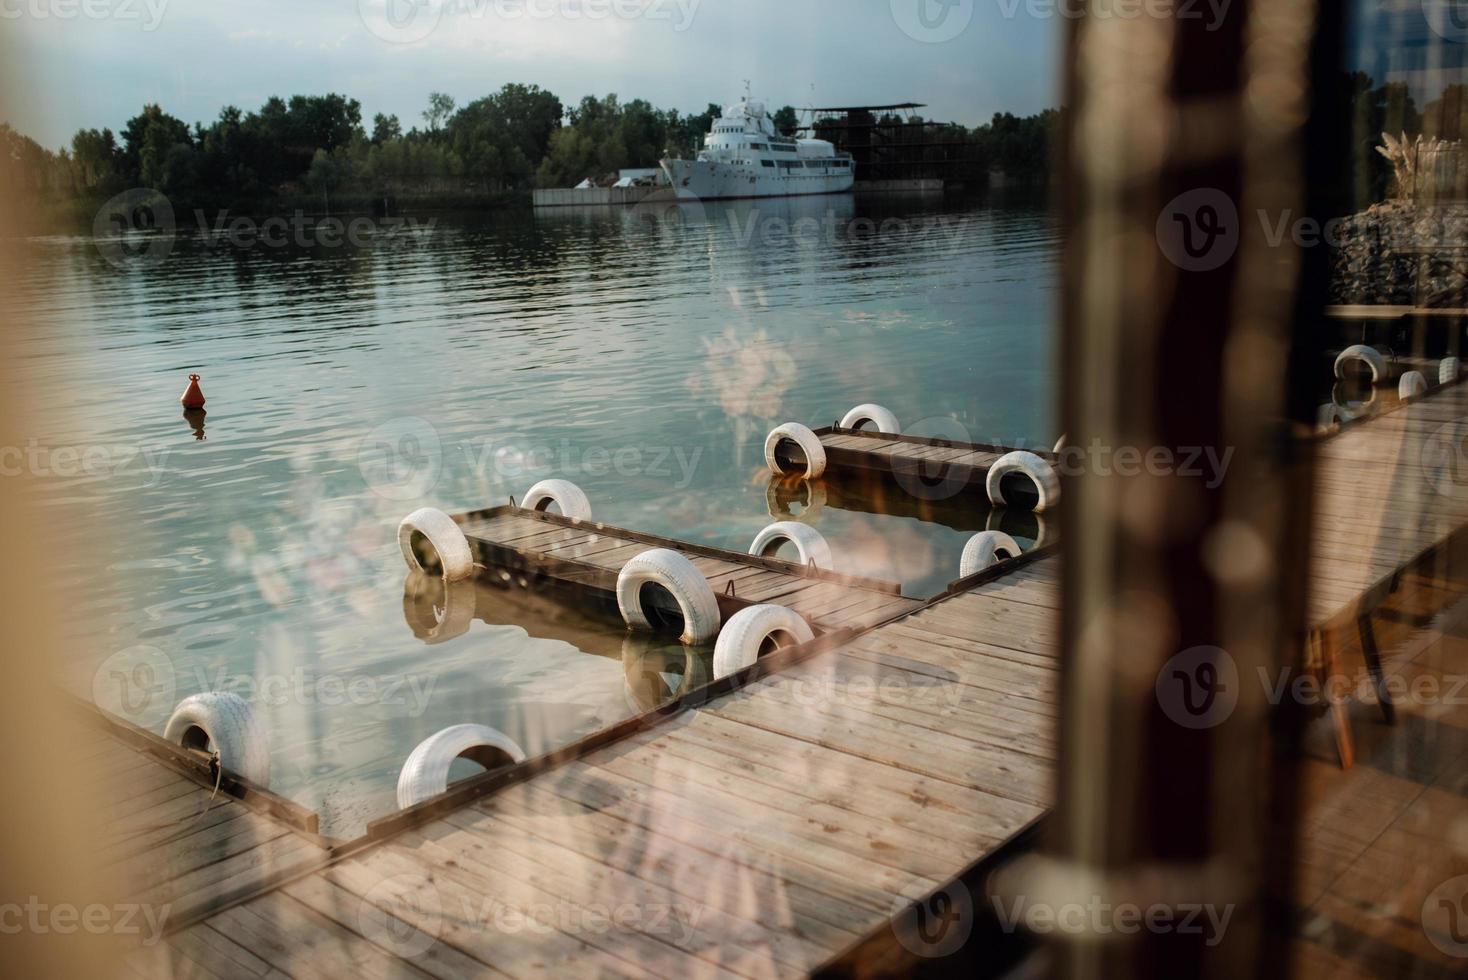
750, 378
880, 319
898, 553
330, 549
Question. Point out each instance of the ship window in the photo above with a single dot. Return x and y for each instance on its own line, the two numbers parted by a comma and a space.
768, 163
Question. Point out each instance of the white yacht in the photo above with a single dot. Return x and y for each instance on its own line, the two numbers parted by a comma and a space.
744, 156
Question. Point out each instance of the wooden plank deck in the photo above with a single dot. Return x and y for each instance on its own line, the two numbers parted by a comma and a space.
172, 844
955, 466
1373, 848
1387, 491
771, 828
759, 835
589, 556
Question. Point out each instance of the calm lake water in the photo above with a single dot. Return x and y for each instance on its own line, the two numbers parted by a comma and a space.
641, 353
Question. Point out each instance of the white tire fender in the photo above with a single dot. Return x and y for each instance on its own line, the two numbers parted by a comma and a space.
426, 773
752, 630
802, 436
878, 416
444, 536
780, 494
1411, 385
225, 721
564, 494
809, 542
436, 610
985, 549
674, 572
1369, 356
1448, 370
1041, 474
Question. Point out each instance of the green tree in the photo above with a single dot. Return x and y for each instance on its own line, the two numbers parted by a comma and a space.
440, 108
328, 172
147, 140
385, 129
97, 158
786, 121
501, 138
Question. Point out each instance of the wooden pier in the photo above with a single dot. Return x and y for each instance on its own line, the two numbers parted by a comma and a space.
779, 823
172, 841
928, 468
588, 555
782, 820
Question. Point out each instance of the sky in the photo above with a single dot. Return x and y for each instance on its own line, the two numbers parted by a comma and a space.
94, 63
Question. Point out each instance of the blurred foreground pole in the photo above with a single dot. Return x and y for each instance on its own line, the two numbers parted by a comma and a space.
50, 892
1185, 144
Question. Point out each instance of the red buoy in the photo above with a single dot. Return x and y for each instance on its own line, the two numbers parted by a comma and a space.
192, 396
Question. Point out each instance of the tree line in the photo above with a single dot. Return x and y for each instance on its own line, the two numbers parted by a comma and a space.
318, 149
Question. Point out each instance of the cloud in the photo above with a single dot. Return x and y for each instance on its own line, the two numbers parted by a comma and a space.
205, 54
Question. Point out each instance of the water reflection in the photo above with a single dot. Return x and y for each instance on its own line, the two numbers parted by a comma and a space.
436, 609
793, 497
656, 670
645, 361
195, 418
1353, 400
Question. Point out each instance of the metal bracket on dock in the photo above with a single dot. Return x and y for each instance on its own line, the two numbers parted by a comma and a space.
729, 589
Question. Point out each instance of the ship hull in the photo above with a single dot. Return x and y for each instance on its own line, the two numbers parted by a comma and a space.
704, 181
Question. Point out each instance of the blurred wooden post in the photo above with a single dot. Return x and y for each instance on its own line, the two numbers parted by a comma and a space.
1185, 150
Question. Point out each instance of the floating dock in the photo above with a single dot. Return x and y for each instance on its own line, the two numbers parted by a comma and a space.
570, 197
784, 819
927, 468
588, 555
761, 835
173, 842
